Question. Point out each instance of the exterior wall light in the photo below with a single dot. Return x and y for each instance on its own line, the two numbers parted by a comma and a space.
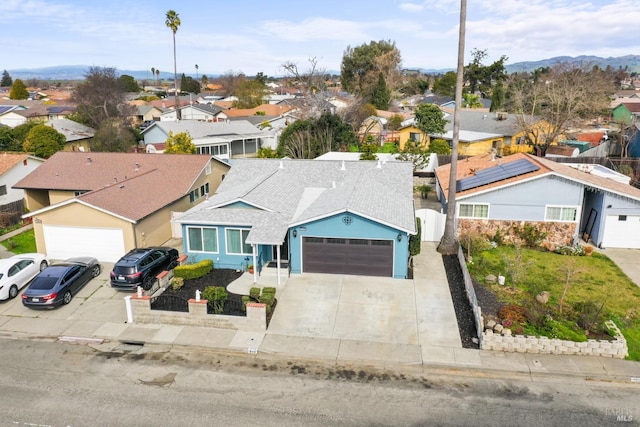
399, 237
295, 233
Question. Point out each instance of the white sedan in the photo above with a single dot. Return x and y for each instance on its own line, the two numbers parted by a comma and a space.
17, 271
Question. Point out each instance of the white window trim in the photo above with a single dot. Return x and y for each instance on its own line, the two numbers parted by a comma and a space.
203, 251
474, 205
226, 242
561, 207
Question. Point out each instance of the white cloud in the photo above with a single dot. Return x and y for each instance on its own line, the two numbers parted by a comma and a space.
411, 7
314, 29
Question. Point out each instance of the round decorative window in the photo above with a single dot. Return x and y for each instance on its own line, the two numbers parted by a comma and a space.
347, 219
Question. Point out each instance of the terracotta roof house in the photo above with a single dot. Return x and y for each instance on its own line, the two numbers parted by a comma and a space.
13, 168
495, 194
262, 110
328, 216
225, 140
104, 204
77, 134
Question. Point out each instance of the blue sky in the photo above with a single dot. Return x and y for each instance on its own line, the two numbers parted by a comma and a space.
253, 36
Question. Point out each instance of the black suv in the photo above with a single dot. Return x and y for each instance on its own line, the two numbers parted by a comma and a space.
140, 266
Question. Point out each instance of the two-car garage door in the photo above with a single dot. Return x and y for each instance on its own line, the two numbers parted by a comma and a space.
105, 244
347, 256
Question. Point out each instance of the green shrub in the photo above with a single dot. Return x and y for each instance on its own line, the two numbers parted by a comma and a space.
530, 234
216, 297
414, 241
589, 315
177, 283
473, 242
269, 290
571, 250
254, 293
194, 271
245, 300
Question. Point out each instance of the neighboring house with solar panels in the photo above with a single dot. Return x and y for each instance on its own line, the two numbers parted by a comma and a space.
496, 194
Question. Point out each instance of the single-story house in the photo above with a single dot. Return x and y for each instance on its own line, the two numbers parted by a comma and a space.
13, 168
335, 217
567, 203
226, 139
9, 115
77, 134
104, 204
626, 113
202, 112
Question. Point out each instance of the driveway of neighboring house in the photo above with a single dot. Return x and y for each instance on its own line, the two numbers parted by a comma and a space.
376, 309
627, 260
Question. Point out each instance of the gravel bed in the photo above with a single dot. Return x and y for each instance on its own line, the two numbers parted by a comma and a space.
464, 313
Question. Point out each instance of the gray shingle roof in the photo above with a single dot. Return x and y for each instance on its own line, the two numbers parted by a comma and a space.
199, 130
73, 131
299, 191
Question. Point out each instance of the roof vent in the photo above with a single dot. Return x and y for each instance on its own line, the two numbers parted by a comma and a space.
137, 167
343, 167
333, 184
88, 160
379, 165
281, 165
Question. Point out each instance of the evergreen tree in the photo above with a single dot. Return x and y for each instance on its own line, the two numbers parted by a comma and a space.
18, 90
381, 94
6, 81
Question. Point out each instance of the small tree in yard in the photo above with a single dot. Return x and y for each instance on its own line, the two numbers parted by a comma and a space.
18, 90
570, 270
414, 153
516, 266
180, 143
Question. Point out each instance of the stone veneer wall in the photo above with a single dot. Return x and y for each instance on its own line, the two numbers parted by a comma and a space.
558, 233
525, 344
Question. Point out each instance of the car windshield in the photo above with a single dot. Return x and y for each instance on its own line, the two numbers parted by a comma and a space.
43, 283
124, 270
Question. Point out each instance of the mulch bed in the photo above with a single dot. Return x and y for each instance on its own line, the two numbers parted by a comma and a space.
461, 305
217, 277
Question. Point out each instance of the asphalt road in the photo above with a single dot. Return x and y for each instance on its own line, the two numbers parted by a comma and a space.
62, 384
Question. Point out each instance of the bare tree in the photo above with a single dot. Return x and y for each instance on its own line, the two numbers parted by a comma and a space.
449, 242
310, 81
547, 102
571, 270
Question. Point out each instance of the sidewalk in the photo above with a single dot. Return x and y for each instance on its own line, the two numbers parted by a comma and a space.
97, 316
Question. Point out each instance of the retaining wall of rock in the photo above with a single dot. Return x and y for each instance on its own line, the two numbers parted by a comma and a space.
504, 341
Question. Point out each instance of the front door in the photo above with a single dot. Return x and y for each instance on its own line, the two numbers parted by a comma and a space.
284, 250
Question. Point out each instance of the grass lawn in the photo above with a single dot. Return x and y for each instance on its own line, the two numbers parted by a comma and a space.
22, 243
594, 279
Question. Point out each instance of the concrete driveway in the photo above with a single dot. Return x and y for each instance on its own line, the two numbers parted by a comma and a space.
95, 304
374, 309
628, 260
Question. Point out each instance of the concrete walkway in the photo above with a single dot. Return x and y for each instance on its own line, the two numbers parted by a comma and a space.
627, 259
97, 316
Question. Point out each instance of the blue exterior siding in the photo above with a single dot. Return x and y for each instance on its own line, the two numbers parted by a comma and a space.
527, 201
360, 228
154, 136
222, 259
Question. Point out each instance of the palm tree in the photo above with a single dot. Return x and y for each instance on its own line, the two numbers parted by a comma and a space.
197, 71
153, 72
157, 76
449, 242
173, 21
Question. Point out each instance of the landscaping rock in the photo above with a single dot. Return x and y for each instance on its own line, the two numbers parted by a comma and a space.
490, 324
543, 297
498, 328
491, 278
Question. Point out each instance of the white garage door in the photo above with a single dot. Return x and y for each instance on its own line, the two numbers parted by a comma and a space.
105, 244
622, 231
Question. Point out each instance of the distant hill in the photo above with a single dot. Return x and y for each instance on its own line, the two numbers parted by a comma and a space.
77, 72
630, 61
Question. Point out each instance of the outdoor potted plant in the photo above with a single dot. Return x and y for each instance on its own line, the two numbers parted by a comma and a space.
250, 268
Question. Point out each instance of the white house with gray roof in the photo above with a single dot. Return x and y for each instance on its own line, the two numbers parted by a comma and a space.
225, 140
337, 217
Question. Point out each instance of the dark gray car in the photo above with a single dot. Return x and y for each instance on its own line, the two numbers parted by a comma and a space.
139, 267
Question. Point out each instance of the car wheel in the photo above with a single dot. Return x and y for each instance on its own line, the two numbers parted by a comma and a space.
43, 265
147, 283
66, 299
95, 272
13, 291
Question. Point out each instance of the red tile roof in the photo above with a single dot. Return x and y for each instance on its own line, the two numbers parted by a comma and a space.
634, 107
131, 185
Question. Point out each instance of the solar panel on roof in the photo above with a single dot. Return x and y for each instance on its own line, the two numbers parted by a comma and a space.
496, 173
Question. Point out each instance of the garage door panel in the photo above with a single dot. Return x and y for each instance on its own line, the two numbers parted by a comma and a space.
348, 256
622, 231
105, 244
